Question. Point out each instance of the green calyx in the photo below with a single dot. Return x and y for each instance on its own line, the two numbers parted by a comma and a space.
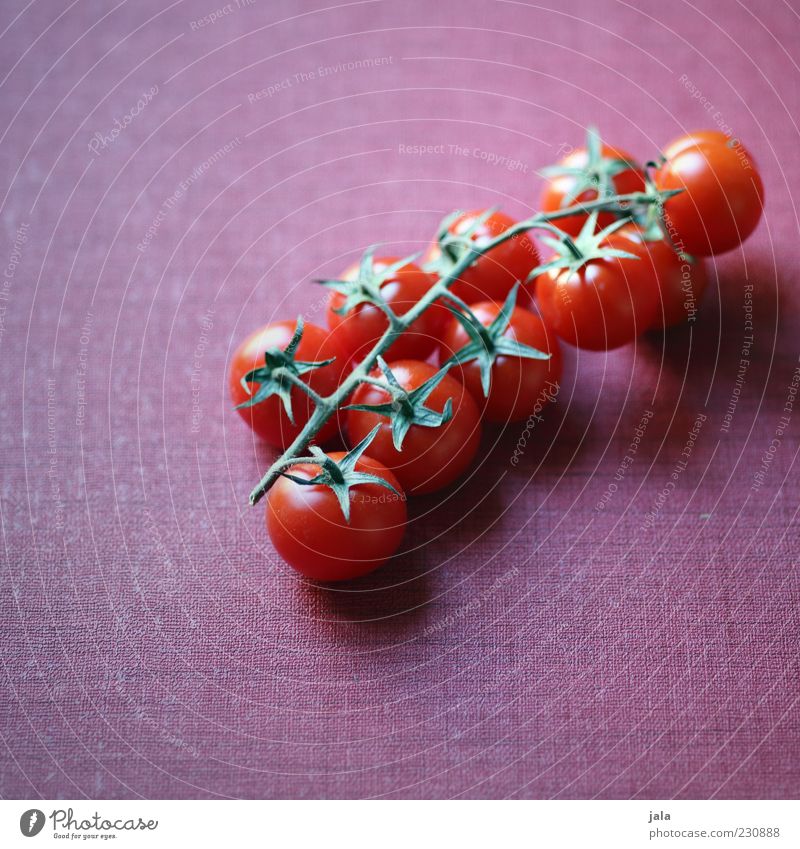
651, 217
453, 247
280, 373
573, 254
366, 288
596, 175
341, 476
405, 408
488, 343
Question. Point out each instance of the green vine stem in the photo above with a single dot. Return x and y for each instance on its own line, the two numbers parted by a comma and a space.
327, 406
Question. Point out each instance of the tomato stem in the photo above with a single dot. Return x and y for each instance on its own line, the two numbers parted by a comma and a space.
375, 381
325, 407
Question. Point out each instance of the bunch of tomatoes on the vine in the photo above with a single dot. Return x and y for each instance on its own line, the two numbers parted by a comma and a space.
419, 354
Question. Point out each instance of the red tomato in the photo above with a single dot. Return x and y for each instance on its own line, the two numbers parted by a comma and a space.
606, 303
268, 417
431, 457
493, 275
724, 194
359, 329
560, 187
517, 382
681, 282
309, 531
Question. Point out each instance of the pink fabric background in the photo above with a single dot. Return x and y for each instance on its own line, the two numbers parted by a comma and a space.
528, 644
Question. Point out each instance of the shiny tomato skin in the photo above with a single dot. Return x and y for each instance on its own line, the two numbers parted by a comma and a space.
517, 383
693, 139
492, 276
431, 457
604, 304
723, 197
681, 283
358, 330
268, 418
557, 188
309, 531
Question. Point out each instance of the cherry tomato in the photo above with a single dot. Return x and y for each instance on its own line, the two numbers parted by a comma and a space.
723, 196
606, 303
560, 187
268, 417
493, 275
681, 281
359, 329
431, 457
517, 383
309, 530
